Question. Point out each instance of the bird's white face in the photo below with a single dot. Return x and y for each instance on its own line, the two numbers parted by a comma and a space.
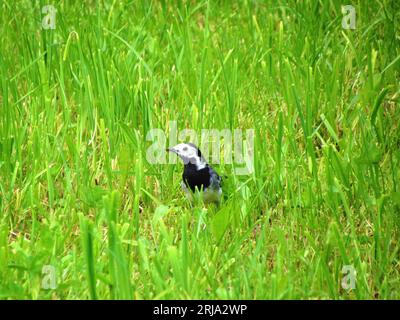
187, 153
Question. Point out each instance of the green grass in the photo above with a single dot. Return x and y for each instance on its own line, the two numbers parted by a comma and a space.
76, 190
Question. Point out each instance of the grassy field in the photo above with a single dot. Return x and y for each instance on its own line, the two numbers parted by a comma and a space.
84, 215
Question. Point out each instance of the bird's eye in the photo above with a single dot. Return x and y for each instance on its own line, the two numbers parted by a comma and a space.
184, 148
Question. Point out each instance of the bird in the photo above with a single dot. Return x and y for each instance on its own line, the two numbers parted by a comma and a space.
198, 174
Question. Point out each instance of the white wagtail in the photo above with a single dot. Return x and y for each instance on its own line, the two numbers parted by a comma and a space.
198, 174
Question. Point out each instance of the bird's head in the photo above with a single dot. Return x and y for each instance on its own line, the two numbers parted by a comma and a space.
189, 153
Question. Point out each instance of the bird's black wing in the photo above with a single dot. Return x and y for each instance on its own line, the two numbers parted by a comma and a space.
215, 179
196, 178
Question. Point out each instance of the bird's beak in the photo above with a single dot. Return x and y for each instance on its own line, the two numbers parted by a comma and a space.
171, 150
